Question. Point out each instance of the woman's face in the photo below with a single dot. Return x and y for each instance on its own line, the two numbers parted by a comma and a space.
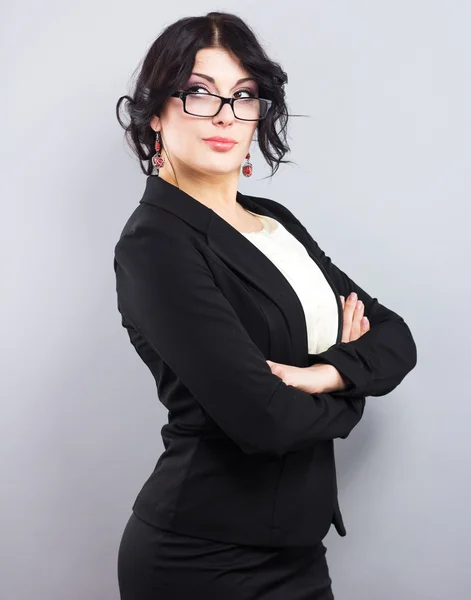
183, 135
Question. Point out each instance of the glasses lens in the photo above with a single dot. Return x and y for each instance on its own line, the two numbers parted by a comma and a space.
202, 105
205, 105
250, 108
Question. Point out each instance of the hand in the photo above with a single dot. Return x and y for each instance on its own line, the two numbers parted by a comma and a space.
319, 378
354, 323
298, 377
316, 379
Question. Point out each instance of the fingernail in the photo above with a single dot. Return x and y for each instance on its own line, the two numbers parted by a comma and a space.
359, 304
353, 296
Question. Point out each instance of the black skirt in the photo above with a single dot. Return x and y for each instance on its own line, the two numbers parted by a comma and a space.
155, 564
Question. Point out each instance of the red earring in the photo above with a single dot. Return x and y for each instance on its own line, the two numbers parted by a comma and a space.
247, 169
157, 160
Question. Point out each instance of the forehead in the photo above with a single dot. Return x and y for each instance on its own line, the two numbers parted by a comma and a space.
220, 64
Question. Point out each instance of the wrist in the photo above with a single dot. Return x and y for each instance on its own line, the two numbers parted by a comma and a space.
328, 378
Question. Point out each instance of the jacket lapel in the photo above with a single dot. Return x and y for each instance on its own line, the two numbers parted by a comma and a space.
241, 256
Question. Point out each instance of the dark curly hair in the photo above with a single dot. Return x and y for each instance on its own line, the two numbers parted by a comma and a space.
169, 63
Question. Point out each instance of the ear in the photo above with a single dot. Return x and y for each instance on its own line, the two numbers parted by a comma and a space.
155, 123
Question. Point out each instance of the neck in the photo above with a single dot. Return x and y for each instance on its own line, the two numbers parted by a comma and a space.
216, 192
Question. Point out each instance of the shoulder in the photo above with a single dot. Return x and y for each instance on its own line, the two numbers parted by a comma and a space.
155, 228
155, 244
148, 218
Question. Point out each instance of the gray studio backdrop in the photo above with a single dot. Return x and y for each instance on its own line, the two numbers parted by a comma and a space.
382, 182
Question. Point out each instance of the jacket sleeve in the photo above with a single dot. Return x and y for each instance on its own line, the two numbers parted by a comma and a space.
377, 361
167, 292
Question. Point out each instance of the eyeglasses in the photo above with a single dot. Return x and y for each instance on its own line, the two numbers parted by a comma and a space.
208, 105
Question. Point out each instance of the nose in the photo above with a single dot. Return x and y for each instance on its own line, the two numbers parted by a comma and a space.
226, 113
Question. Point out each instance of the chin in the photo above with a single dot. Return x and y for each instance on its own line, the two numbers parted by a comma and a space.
219, 169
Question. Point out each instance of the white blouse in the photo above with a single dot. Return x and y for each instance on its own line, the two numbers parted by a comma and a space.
305, 277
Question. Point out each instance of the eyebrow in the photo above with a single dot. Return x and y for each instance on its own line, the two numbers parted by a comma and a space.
210, 79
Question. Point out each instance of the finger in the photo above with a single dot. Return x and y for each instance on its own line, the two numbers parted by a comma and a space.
287, 373
342, 300
348, 317
365, 325
355, 332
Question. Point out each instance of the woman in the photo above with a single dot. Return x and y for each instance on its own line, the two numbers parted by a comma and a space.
263, 351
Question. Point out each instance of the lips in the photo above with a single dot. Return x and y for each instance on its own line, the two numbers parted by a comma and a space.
216, 144
221, 139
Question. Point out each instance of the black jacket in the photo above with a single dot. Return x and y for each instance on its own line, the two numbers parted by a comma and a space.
247, 459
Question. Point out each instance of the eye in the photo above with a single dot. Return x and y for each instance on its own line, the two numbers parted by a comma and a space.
246, 91
196, 87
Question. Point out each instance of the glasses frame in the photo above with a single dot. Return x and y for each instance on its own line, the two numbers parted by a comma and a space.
224, 100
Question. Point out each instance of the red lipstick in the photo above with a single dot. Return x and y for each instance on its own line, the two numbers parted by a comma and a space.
220, 143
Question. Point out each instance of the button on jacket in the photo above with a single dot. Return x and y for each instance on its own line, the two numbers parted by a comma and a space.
248, 459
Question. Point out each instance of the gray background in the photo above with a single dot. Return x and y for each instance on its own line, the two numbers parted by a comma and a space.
382, 183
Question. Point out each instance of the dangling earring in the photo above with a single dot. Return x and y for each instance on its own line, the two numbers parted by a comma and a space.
247, 168
157, 160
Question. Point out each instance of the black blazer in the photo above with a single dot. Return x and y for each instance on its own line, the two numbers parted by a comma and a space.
247, 459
